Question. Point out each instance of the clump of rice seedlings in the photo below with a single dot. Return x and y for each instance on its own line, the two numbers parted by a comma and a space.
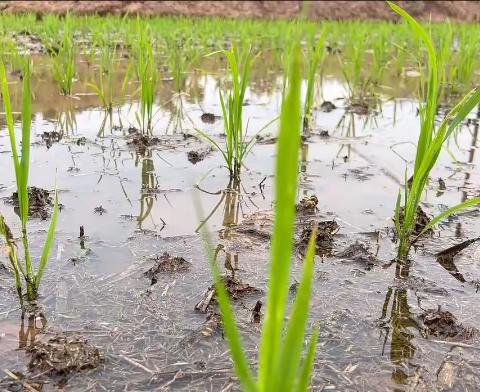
353, 62
281, 367
24, 269
237, 146
64, 61
380, 53
316, 56
179, 61
147, 73
464, 62
429, 145
104, 83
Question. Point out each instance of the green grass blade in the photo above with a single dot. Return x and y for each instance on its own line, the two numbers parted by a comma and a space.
47, 247
428, 125
450, 211
213, 142
306, 374
9, 117
282, 242
26, 134
12, 253
230, 328
285, 374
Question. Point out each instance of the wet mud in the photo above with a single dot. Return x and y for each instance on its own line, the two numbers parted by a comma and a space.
130, 302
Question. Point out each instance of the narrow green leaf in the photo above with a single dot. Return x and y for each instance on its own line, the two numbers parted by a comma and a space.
282, 242
306, 374
228, 316
289, 361
450, 211
47, 247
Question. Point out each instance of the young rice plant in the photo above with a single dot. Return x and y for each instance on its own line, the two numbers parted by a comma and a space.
21, 165
429, 145
237, 146
281, 367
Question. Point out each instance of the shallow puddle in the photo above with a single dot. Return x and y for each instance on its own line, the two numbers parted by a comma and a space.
135, 203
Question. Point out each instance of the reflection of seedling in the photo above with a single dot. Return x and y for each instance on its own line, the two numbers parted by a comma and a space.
22, 165
280, 366
429, 145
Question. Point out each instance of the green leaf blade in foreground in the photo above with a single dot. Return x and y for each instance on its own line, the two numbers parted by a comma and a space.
286, 373
9, 117
282, 242
306, 375
230, 327
47, 247
26, 133
449, 212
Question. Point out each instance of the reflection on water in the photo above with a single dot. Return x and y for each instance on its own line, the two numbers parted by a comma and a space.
106, 151
35, 325
149, 188
398, 320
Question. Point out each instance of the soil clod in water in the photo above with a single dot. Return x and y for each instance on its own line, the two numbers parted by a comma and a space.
209, 118
166, 264
308, 205
195, 156
444, 324
360, 254
326, 231
327, 106
40, 202
235, 288
62, 355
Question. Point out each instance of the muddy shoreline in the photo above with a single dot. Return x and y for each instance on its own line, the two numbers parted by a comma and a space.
438, 11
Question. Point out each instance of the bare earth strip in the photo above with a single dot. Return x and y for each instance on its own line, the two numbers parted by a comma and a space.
465, 11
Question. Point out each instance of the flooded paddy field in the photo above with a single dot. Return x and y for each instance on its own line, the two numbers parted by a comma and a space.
127, 302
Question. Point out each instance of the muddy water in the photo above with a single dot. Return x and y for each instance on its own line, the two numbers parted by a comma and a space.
373, 333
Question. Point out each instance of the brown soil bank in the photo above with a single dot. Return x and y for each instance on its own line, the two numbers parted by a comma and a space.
465, 11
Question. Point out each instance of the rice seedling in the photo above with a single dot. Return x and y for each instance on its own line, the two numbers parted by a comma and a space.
21, 164
317, 56
429, 146
352, 67
64, 61
147, 73
280, 364
105, 81
237, 146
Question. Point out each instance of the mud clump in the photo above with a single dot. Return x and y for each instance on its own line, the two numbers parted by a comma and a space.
308, 205
166, 264
326, 231
29, 43
195, 156
256, 315
324, 134
360, 108
213, 324
61, 355
49, 138
208, 118
359, 253
443, 324
327, 106
40, 202
99, 210
141, 141
236, 289
421, 221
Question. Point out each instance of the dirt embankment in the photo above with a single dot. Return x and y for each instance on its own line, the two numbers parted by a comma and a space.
466, 11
